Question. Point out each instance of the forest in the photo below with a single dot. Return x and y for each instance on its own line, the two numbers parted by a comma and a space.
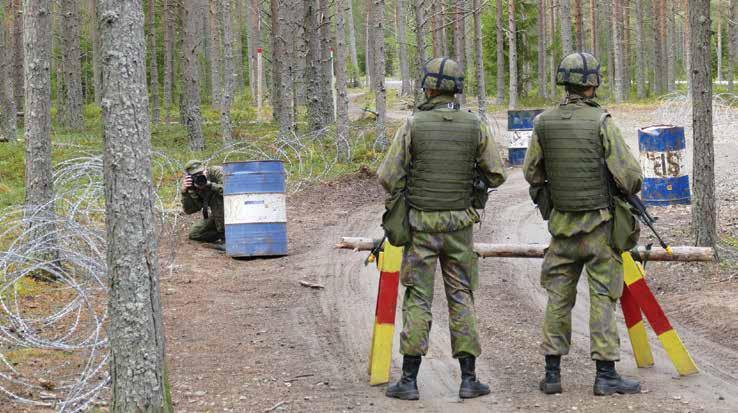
102, 102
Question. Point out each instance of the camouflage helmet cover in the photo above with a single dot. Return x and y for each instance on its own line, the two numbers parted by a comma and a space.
443, 74
579, 69
194, 167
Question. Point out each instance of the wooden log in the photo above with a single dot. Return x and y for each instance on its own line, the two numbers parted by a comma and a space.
681, 253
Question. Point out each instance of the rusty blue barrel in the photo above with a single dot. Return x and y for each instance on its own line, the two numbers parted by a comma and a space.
520, 122
663, 161
255, 202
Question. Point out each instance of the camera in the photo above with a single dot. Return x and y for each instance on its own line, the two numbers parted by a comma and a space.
199, 180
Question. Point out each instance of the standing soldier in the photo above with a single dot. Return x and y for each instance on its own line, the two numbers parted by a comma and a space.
202, 191
578, 159
433, 160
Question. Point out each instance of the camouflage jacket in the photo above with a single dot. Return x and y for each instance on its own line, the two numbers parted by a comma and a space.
624, 167
194, 199
393, 174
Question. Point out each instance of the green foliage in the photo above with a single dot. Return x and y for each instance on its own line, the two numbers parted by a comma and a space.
12, 174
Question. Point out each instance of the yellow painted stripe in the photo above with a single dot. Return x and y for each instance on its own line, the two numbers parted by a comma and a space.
678, 353
380, 361
640, 344
632, 271
392, 260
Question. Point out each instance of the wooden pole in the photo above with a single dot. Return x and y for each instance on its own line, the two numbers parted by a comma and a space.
259, 81
682, 253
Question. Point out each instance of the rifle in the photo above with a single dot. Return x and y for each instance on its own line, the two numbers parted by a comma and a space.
642, 213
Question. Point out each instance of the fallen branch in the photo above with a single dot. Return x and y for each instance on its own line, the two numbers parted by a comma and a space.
312, 285
275, 406
682, 253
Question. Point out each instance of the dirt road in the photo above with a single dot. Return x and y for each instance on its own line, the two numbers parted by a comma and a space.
245, 336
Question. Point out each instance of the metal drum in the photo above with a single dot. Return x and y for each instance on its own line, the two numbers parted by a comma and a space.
520, 123
663, 161
255, 209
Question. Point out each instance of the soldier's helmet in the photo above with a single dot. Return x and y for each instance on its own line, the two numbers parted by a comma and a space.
443, 74
194, 167
579, 69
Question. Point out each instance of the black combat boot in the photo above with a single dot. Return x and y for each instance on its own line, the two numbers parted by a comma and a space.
608, 381
407, 387
551, 384
470, 386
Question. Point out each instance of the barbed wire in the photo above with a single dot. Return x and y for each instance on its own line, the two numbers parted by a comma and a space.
53, 274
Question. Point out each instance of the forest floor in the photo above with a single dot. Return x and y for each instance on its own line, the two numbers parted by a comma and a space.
246, 336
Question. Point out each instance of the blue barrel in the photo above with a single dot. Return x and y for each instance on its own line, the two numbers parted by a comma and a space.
663, 160
521, 119
516, 156
255, 209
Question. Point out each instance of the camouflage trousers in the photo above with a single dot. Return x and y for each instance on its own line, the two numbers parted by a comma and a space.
206, 231
460, 277
562, 267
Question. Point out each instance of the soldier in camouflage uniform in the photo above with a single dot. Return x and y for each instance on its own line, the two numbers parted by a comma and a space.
580, 155
432, 159
207, 199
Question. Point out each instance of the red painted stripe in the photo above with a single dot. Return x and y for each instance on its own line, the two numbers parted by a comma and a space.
389, 283
651, 308
631, 310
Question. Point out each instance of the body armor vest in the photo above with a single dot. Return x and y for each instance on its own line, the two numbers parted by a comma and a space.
444, 149
574, 157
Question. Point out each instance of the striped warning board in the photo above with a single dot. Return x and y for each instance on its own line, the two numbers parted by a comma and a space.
380, 357
637, 298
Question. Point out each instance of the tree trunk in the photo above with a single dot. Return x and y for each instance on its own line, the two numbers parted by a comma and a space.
670, 55
479, 53
237, 48
420, 43
352, 43
369, 63
436, 27
402, 46
593, 24
225, 12
95, 41
459, 30
513, 56
732, 42
136, 331
342, 102
313, 74
326, 63
154, 64
254, 43
640, 53
191, 18
281, 77
579, 19
552, 63
8, 119
37, 50
688, 48
566, 42
381, 93
73, 113
500, 36
625, 30
618, 41
719, 18
169, 33
704, 214
18, 55
216, 54
659, 64
542, 88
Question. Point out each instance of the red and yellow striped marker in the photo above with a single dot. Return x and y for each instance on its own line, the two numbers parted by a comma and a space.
380, 357
637, 297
